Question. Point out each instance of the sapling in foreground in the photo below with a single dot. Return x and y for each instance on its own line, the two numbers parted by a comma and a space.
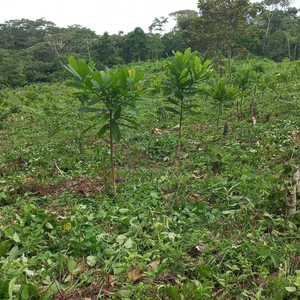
185, 71
115, 92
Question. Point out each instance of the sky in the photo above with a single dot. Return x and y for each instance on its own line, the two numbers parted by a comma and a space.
98, 15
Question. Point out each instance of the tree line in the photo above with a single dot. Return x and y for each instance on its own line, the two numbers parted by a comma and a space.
34, 51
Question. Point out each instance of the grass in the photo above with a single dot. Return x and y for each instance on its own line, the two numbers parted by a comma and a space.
209, 226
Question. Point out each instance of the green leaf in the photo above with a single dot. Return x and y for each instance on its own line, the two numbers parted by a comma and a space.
290, 289
33, 290
73, 63
172, 292
265, 251
71, 265
139, 76
117, 113
91, 260
102, 130
172, 109
48, 225
115, 130
275, 259
88, 109
3, 247
128, 244
98, 77
11, 287
186, 54
204, 271
16, 238
179, 60
25, 292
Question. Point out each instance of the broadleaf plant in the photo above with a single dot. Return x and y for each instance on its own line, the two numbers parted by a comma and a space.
184, 71
113, 91
221, 93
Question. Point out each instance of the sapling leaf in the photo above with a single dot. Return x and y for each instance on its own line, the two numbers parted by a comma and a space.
139, 76
91, 260
16, 238
25, 292
103, 130
73, 63
172, 109
88, 109
117, 113
115, 130
11, 288
291, 289
71, 265
265, 251
275, 259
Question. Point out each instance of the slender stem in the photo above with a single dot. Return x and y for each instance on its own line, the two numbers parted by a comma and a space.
241, 106
219, 112
112, 154
180, 129
229, 64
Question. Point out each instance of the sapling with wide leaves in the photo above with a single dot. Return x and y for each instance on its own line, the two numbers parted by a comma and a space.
185, 72
243, 79
221, 93
114, 93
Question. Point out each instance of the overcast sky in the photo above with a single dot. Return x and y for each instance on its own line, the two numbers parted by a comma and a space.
98, 15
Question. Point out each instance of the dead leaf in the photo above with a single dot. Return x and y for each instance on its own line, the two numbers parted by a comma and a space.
166, 159
135, 274
176, 164
111, 279
153, 264
156, 131
195, 197
200, 248
201, 176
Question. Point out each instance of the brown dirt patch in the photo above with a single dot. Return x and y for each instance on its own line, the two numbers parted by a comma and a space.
82, 186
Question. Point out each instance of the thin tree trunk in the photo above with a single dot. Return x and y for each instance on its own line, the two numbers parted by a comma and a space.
229, 64
289, 47
112, 155
180, 129
218, 120
291, 195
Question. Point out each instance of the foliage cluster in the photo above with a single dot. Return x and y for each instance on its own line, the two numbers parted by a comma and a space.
33, 51
207, 225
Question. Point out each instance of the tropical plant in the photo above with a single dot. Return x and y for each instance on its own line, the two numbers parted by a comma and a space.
185, 71
221, 93
114, 91
243, 79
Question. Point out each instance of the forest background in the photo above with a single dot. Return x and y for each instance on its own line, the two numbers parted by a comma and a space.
34, 50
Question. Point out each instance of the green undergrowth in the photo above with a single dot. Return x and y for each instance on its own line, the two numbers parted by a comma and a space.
210, 225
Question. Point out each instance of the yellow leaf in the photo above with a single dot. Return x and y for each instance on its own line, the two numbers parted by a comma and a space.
68, 226
132, 73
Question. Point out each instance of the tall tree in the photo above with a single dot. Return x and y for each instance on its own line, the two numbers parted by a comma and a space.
221, 23
157, 26
136, 45
273, 7
105, 51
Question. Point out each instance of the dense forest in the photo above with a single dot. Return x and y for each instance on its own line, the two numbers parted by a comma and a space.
33, 51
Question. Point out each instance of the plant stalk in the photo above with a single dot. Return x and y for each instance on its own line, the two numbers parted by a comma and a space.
180, 129
111, 144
